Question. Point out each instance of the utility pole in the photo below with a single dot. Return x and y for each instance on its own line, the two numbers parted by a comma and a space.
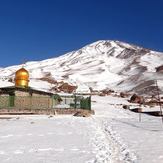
159, 100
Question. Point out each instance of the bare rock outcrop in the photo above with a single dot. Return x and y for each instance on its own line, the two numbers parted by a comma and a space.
136, 99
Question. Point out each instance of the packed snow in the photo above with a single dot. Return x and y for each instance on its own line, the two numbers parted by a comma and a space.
112, 135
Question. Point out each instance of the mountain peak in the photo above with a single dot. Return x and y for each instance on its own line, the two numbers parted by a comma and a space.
101, 65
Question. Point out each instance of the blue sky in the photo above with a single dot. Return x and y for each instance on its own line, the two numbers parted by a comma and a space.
41, 29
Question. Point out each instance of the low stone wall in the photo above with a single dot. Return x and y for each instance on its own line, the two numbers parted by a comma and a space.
15, 111
73, 111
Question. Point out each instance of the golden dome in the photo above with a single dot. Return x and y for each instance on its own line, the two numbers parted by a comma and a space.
21, 78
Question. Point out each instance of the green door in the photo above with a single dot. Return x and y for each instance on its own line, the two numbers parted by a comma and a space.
11, 100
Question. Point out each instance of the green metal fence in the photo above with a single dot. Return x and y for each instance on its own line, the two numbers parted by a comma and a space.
76, 101
36, 102
85, 103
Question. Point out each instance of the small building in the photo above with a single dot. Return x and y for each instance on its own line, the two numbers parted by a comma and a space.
23, 98
28, 97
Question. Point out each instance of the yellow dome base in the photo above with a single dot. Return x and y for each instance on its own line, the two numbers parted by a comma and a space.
21, 83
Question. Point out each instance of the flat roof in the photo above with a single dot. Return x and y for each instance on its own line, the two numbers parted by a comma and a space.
25, 89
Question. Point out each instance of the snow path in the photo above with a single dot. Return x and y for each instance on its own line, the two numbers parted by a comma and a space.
112, 135
64, 139
111, 149
139, 142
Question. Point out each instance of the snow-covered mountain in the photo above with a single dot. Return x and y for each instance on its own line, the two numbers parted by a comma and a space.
101, 65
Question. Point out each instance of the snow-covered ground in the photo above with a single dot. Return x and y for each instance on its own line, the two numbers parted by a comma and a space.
136, 141
39, 139
112, 135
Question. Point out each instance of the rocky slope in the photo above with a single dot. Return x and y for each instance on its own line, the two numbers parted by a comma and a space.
101, 65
